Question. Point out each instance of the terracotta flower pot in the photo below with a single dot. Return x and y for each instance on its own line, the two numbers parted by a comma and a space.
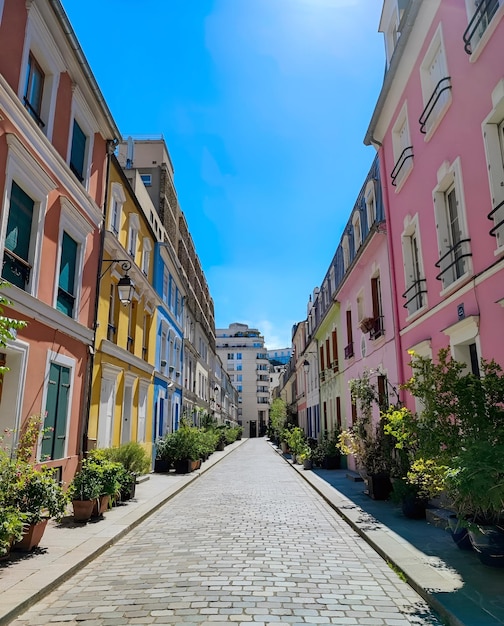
31, 536
100, 505
83, 509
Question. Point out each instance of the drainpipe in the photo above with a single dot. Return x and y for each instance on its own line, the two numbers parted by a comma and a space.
111, 146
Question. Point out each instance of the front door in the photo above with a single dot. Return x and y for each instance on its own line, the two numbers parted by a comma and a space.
106, 416
253, 429
55, 424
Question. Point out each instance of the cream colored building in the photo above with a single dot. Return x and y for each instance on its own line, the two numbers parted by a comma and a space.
245, 358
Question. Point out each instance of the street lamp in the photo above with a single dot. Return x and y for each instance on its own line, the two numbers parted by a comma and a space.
125, 286
306, 366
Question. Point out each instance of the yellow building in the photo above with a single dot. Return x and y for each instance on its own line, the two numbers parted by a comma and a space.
122, 391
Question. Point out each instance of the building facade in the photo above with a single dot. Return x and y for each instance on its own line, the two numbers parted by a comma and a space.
55, 131
441, 146
242, 352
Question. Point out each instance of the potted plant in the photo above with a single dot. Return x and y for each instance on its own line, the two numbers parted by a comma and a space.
40, 498
134, 461
163, 460
184, 447
296, 442
305, 456
85, 490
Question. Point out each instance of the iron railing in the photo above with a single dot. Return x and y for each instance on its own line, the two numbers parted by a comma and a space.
483, 15
405, 155
443, 85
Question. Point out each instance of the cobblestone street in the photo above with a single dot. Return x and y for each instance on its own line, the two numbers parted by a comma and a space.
247, 543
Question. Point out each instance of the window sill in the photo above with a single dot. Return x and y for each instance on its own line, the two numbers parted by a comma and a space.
455, 285
411, 317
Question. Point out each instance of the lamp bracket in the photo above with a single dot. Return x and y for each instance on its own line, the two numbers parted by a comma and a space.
125, 264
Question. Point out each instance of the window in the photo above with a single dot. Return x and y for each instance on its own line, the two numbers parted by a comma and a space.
415, 293
111, 326
166, 279
146, 253
493, 133
230, 356
357, 231
118, 198
403, 150
42, 64
453, 243
464, 342
133, 228
146, 179
346, 252
349, 349
239, 378
378, 328
78, 151
34, 88
436, 85
370, 199
239, 356
83, 128
67, 276
16, 266
484, 16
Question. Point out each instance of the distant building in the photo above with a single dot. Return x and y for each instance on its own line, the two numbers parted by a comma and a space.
245, 358
281, 356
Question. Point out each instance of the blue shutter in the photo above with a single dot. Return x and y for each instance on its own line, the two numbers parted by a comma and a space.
66, 290
78, 151
55, 424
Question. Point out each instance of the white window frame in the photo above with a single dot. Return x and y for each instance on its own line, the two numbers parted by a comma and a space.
39, 41
391, 33
493, 137
345, 245
146, 254
450, 176
104, 433
412, 229
133, 230
357, 230
462, 334
117, 198
27, 173
78, 228
399, 144
370, 200
436, 48
81, 113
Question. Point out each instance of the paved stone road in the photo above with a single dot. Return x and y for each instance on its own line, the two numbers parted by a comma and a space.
248, 543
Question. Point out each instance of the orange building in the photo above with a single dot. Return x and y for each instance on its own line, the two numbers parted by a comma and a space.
56, 133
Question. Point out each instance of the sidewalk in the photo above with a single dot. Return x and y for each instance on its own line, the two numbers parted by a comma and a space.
453, 582
27, 577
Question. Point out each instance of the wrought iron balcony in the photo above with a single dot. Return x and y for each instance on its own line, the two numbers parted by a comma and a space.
492, 216
453, 260
479, 22
349, 351
434, 104
399, 168
378, 329
15, 269
415, 294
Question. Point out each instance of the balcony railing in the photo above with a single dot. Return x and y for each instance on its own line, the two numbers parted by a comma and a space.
453, 260
15, 269
399, 170
349, 350
33, 112
435, 103
483, 15
378, 329
415, 294
492, 216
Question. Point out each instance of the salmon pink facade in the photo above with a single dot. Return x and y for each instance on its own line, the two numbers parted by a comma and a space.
438, 127
54, 133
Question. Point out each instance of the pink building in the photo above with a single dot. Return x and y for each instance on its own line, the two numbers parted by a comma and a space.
438, 127
54, 133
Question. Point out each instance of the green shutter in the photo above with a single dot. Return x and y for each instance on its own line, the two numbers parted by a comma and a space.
55, 424
66, 292
78, 151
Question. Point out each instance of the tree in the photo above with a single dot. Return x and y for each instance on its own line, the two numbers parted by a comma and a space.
277, 418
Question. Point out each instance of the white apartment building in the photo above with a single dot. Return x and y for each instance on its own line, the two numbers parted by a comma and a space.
245, 358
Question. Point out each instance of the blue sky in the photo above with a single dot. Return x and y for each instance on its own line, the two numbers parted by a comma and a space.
264, 105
